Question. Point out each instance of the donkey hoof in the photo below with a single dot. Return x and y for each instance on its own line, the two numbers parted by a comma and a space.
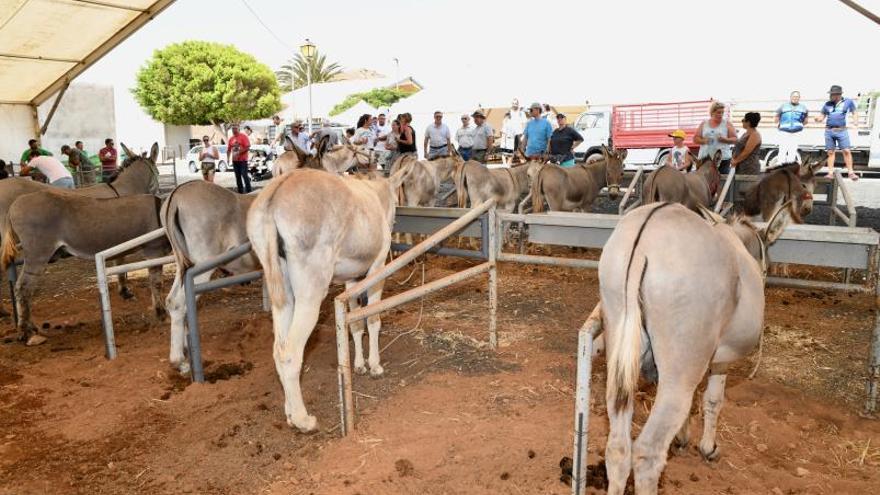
161, 314
307, 424
35, 339
376, 371
360, 370
183, 368
126, 293
712, 455
680, 446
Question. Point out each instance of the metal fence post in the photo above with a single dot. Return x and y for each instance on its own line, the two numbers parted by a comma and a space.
871, 381
493, 232
192, 323
343, 369
106, 311
589, 331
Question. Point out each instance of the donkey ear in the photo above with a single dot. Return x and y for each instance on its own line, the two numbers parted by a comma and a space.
605, 151
128, 152
717, 157
777, 223
710, 216
622, 154
154, 152
288, 143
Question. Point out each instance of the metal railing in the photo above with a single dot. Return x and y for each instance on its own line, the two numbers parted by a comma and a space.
590, 330
103, 271
344, 316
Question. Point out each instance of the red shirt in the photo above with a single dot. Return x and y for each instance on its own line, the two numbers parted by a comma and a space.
243, 146
107, 155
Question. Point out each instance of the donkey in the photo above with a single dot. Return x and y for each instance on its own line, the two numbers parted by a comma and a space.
202, 220
692, 190
44, 221
789, 182
473, 180
310, 229
336, 159
679, 294
137, 175
575, 188
423, 182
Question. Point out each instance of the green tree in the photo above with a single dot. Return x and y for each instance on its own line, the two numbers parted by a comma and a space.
379, 97
200, 83
293, 74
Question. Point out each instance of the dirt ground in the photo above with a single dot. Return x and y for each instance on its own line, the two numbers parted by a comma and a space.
450, 416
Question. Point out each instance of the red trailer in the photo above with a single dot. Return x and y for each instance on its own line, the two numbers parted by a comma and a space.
648, 125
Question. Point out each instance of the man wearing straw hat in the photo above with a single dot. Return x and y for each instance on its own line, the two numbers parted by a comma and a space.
484, 137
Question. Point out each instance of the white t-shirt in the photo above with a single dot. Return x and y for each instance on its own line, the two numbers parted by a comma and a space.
361, 134
677, 156
50, 167
518, 119
209, 154
465, 137
437, 136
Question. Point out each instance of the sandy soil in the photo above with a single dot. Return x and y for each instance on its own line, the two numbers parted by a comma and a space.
450, 416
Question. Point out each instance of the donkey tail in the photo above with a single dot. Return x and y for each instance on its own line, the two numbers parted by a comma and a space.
265, 241
624, 347
9, 249
460, 184
538, 192
171, 221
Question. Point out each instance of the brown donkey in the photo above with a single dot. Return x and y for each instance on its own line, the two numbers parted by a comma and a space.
680, 294
476, 182
693, 190
575, 188
789, 182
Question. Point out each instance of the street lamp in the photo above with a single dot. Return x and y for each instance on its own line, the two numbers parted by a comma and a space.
308, 50
396, 73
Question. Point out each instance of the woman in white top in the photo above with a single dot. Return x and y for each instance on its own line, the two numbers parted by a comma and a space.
716, 134
208, 158
363, 135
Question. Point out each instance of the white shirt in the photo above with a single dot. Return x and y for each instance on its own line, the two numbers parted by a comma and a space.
518, 119
481, 136
381, 130
465, 137
50, 167
362, 133
437, 136
302, 141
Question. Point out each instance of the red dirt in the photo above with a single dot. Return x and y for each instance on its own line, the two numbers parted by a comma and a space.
449, 417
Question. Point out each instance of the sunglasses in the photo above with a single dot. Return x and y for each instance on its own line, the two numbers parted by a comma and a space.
560, 117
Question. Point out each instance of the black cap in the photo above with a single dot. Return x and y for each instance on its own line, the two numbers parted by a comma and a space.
835, 90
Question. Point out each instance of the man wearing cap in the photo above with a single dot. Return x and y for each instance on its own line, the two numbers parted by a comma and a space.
537, 134
465, 137
836, 134
678, 156
300, 137
790, 120
563, 141
484, 137
237, 152
438, 139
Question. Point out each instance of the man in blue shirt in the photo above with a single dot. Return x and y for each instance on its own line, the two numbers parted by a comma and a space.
790, 120
537, 134
836, 134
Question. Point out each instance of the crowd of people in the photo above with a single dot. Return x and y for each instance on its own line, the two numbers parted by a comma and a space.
39, 163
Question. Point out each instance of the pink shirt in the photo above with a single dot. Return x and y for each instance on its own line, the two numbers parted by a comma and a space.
50, 167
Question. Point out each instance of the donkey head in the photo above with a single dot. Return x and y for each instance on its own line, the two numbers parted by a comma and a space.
807, 176
613, 170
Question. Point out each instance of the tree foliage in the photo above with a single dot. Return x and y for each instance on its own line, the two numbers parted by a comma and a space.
200, 83
379, 97
294, 74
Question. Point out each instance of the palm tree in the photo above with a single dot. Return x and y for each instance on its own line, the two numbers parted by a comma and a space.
292, 75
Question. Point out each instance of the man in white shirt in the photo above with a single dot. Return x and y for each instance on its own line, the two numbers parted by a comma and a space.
300, 137
465, 137
484, 137
56, 173
517, 123
438, 139
380, 135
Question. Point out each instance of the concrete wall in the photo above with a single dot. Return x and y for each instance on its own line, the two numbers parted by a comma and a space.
86, 113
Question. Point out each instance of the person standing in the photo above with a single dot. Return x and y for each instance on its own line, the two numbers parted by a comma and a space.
108, 156
56, 173
33, 150
678, 157
536, 137
276, 131
563, 141
484, 137
208, 158
836, 132
438, 139
465, 138
380, 135
716, 134
300, 137
237, 149
325, 130
391, 143
790, 120
406, 143
363, 136
550, 113
517, 123
746, 151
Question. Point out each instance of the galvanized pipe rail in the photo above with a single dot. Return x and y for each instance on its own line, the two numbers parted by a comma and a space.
345, 317
103, 271
590, 330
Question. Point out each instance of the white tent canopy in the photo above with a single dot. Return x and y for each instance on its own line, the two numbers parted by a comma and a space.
350, 116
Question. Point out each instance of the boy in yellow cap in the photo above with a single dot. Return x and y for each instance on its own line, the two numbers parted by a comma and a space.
678, 156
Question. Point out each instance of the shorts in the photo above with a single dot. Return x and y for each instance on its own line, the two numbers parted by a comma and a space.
838, 139
208, 167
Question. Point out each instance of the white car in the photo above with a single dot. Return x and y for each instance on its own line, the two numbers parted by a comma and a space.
192, 159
